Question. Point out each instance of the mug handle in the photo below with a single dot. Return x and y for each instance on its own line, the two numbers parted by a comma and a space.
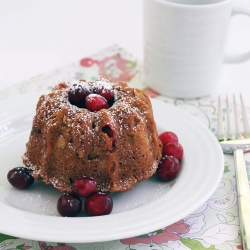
243, 56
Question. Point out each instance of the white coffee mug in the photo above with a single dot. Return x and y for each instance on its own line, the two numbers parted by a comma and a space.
184, 45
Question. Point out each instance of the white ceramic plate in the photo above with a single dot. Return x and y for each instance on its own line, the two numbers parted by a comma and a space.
151, 205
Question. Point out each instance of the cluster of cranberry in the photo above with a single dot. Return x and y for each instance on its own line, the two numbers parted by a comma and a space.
96, 202
94, 98
172, 153
69, 204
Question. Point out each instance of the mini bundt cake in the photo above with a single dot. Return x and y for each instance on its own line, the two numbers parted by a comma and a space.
96, 129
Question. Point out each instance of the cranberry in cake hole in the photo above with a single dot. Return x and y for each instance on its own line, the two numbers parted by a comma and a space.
95, 102
103, 89
77, 94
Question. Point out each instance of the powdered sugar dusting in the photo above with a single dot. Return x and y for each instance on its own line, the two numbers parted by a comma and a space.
102, 83
79, 133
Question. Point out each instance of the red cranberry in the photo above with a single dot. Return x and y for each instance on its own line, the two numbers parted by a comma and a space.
168, 168
20, 177
94, 102
174, 149
107, 94
69, 205
103, 89
167, 137
99, 203
84, 186
77, 94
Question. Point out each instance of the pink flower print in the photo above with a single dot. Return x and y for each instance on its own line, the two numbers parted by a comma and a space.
117, 69
60, 246
88, 62
178, 227
144, 239
169, 233
24, 247
151, 93
164, 237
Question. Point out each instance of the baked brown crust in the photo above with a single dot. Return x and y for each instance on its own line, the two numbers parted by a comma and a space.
67, 142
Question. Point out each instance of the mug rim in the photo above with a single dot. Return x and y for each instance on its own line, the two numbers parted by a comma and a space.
195, 6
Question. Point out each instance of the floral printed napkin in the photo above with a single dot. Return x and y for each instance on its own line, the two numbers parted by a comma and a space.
215, 225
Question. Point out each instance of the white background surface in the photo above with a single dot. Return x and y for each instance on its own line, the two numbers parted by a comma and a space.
38, 36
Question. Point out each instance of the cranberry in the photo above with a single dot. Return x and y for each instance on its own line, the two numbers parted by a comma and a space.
99, 203
20, 177
84, 186
69, 205
174, 149
103, 89
167, 137
95, 102
77, 94
168, 168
